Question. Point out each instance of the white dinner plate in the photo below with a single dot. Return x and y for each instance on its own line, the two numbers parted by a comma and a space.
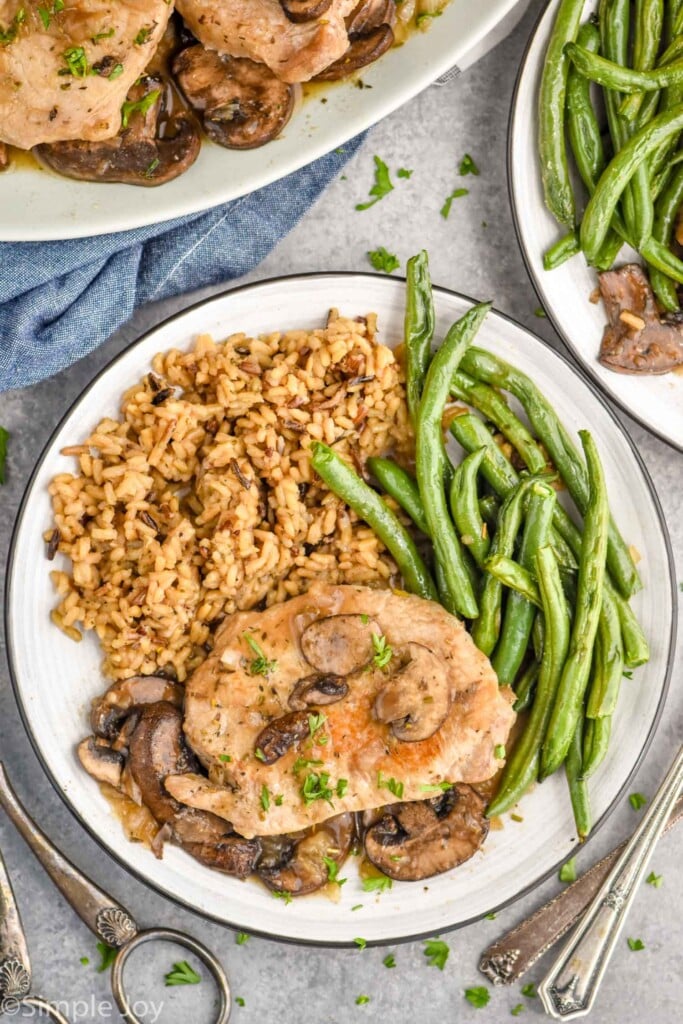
655, 401
514, 858
36, 205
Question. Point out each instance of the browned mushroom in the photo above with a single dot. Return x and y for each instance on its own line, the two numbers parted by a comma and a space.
159, 139
157, 750
339, 644
100, 761
317, 691
241, 103
413, 841
637, 339
369, 14
232, 854
296, 864
281, 734
108, 712
304, 10
363, 50
416, 700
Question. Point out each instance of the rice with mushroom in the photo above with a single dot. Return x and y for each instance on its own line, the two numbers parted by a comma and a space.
200, 500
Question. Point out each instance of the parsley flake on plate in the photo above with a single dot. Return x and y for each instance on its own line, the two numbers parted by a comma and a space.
436, 787
377, 883
477, 996
259, 665
333, 871
437, 953
382, 187
240, 1001
383, 652
131, 107
361, 943
568, 871
265, 797
182, 974
393, 785
383, 260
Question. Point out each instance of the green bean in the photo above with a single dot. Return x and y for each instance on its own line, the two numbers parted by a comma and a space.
604, 689
489, 510
465, 507
525, 686
614, 21
647, 35
489, 368
636, 647
538, 637
418, 328
596, 736
592, 571
471, 433
431, 461
666, 212
519, 613
367, 504
603, 202
523, 764
486, 629
583, 128
612, 76
514, 576
578, 790
557, 187
400, 485
562, 250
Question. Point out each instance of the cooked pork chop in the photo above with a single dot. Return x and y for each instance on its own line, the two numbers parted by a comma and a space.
307, 709
261, 30
66, 74
637, 339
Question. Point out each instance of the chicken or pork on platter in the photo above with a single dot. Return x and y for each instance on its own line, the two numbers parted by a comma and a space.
345, 699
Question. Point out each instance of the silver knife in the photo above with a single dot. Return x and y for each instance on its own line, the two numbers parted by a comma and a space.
513, 954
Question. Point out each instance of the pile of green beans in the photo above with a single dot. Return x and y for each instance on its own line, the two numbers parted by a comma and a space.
635, 55
545, 599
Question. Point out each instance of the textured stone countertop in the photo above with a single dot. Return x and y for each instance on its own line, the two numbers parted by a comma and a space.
476, 252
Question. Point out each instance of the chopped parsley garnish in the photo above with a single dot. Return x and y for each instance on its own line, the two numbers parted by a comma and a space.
259, 755
265, 798
516, 1010
437, 953
4, 437
182, 974
9, 34
529, 990
437, 787
316, 787
637, 800
241, 938
76, 63
283, 894
499, 751
627, 674
115, 72
391, 784
568, 871
143, 35
316, 722
149, 171
358, 906
491, 917
378, 883
635, 944
85, 960
129, 108
108, 954
457, 193
240, 1001
404, 172
102, 35
477, 996
333, 871
225, 758
426, 16
540, 313
654, 880
382, 260
383, 652
361, 943
389, 960
382, 186
364, 618
45, 16
304, 762
278, 800
362, 1000
468, 166
260, 665
341, 787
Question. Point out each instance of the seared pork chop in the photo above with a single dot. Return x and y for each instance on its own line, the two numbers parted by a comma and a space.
64, 75
260, 30
391, 687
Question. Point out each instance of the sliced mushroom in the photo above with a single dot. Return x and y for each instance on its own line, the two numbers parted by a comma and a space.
157, 750
317, 691
159, 142
413, 841
363, 50
100, 761
304, 10
109, 711
295, 864
637, 339
241, 103
416, 700
369, 14
339, 644
232, 855
281, 734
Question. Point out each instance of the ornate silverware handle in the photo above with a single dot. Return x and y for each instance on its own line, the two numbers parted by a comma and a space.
107, 919
571, 985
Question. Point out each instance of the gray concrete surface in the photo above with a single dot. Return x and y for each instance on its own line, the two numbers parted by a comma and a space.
476, 252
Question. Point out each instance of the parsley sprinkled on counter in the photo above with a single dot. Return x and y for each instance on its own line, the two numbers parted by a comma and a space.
362, 1000
389, 960
382, 260
654, 880
540, 313
491, 917
108, 955
468, 166
361, 943
182, 974
457, 193
382, 187
260, 665
378, 883
241, 938
383, 652
240, 1001
85, 960
394, 787
568, 871
516, 1010
4, 438
477, 996
437, 953
404, 172
637, 800
529, 990
635, 944
129, 108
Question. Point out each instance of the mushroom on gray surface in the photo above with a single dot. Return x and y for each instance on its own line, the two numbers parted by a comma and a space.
339, 644
296, 864
304, 10
108, 712
416, 699
317, 690
637, 339
412, 841
158, 141
363, 50
279, 735
100, 761
242, 104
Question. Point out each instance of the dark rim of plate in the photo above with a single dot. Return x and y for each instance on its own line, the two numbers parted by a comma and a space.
536, 279
389, 283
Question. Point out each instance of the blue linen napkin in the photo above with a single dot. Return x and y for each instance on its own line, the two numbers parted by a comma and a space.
60, 300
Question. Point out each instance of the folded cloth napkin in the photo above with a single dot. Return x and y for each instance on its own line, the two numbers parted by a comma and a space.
60, 300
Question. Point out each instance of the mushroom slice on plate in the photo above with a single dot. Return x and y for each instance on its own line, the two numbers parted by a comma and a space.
637, 339
305, 10
241, 103
340, 644
108, 712
317, 690
100, 761
412, 841
297, 864
416, 700
370, 14
363, 50
159, 139
157, 750
279, 735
